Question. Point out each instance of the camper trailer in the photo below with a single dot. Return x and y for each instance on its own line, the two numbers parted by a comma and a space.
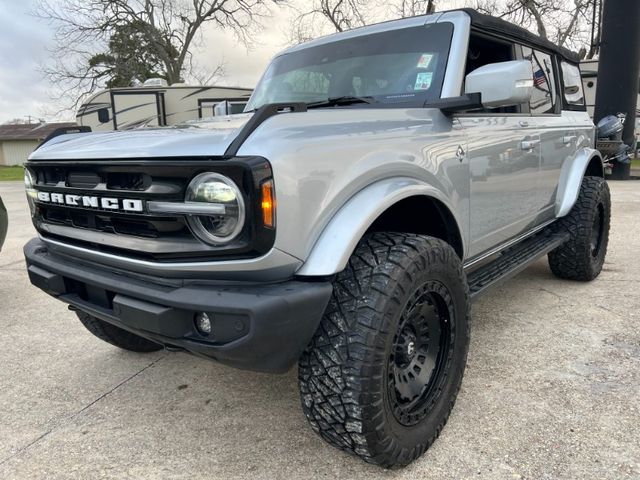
155, 104
589, 69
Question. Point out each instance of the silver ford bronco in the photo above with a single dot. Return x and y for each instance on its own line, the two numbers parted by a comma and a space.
379, 181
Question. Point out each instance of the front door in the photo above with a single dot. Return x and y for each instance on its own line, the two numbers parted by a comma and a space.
504, 160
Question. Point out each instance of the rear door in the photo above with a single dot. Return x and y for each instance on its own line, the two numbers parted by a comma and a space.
558, 136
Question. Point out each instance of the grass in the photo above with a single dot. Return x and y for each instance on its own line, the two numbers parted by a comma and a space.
11, 173
635, 163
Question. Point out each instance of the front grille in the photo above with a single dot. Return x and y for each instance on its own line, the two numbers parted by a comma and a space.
142, 234
79, 179
148, 227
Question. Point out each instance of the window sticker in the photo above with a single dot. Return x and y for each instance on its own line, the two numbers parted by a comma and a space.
423, 81
425, 60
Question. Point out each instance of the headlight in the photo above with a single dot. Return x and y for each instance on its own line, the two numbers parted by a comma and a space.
220, 195
32, 193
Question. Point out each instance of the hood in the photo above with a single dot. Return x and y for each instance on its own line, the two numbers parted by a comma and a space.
210, 137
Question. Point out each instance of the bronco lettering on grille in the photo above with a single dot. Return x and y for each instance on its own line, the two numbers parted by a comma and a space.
105, 203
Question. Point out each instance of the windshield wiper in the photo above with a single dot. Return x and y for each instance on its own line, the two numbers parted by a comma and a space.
343, 100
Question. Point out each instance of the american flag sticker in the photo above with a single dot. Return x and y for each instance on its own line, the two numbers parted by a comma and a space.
539, 78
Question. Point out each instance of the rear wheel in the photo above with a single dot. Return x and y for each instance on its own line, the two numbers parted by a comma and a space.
117, 336
582, 256
382, 372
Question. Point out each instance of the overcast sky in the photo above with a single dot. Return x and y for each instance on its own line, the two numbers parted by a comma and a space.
24, 40
23, 47
22, 44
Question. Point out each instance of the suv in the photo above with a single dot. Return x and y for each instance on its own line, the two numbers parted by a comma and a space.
380, 180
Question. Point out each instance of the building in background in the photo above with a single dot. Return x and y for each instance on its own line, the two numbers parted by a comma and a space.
19, 140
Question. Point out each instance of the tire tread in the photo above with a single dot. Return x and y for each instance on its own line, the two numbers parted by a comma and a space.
573, 259
342, 362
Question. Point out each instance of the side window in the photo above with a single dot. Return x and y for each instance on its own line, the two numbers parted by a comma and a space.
543, 98
572, 92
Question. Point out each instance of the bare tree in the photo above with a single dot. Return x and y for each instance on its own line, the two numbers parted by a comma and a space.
596, 29
170, 28
411, 8
567, 23
326, 16
26, 120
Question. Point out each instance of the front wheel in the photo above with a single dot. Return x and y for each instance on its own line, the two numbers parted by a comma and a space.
382, 372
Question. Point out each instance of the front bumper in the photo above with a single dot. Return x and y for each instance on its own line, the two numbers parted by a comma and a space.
260, 327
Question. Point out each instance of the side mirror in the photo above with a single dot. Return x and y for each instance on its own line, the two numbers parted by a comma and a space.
501, 84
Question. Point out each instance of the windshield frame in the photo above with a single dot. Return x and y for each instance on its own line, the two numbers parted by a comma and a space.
445, 32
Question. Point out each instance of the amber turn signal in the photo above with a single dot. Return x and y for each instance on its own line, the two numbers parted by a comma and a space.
267, 202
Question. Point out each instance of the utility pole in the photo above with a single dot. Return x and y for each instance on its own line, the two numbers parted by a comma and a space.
619, 70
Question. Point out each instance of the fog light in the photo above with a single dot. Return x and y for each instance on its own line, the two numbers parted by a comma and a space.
203, 323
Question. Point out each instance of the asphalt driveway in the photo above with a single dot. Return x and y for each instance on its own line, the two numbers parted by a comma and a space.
552, 388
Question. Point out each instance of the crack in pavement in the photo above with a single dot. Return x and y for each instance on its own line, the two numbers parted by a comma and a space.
612, 312
554, 294
75, 415
10, 264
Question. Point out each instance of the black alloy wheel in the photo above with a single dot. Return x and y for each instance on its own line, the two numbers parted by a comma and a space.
419, 349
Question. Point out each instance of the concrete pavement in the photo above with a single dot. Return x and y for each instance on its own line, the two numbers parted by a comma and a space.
552, 388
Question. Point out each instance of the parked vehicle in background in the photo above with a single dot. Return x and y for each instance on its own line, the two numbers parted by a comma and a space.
4, 223
383, 179
589, 69
155, 104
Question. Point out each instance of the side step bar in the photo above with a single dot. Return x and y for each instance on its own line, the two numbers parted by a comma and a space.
513, 260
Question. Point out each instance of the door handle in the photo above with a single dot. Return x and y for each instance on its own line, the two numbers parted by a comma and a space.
529, 144
569, 139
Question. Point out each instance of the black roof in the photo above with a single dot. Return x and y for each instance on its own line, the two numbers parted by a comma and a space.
508, 29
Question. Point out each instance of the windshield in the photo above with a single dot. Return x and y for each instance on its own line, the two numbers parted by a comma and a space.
387, 67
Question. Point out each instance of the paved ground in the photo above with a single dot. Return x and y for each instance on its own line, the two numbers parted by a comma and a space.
551, 391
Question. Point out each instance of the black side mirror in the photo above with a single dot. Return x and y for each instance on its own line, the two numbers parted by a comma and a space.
103, 115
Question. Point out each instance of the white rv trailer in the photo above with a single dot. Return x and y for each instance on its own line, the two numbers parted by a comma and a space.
158, 105
589, 70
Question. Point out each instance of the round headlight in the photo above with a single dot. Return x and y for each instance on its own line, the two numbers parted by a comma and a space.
220, 195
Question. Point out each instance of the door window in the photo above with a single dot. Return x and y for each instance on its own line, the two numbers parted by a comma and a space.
543, 97
484, 50
572, 85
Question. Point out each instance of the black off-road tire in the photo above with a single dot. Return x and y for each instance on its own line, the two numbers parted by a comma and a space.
581, 258
117, 336
345, 375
